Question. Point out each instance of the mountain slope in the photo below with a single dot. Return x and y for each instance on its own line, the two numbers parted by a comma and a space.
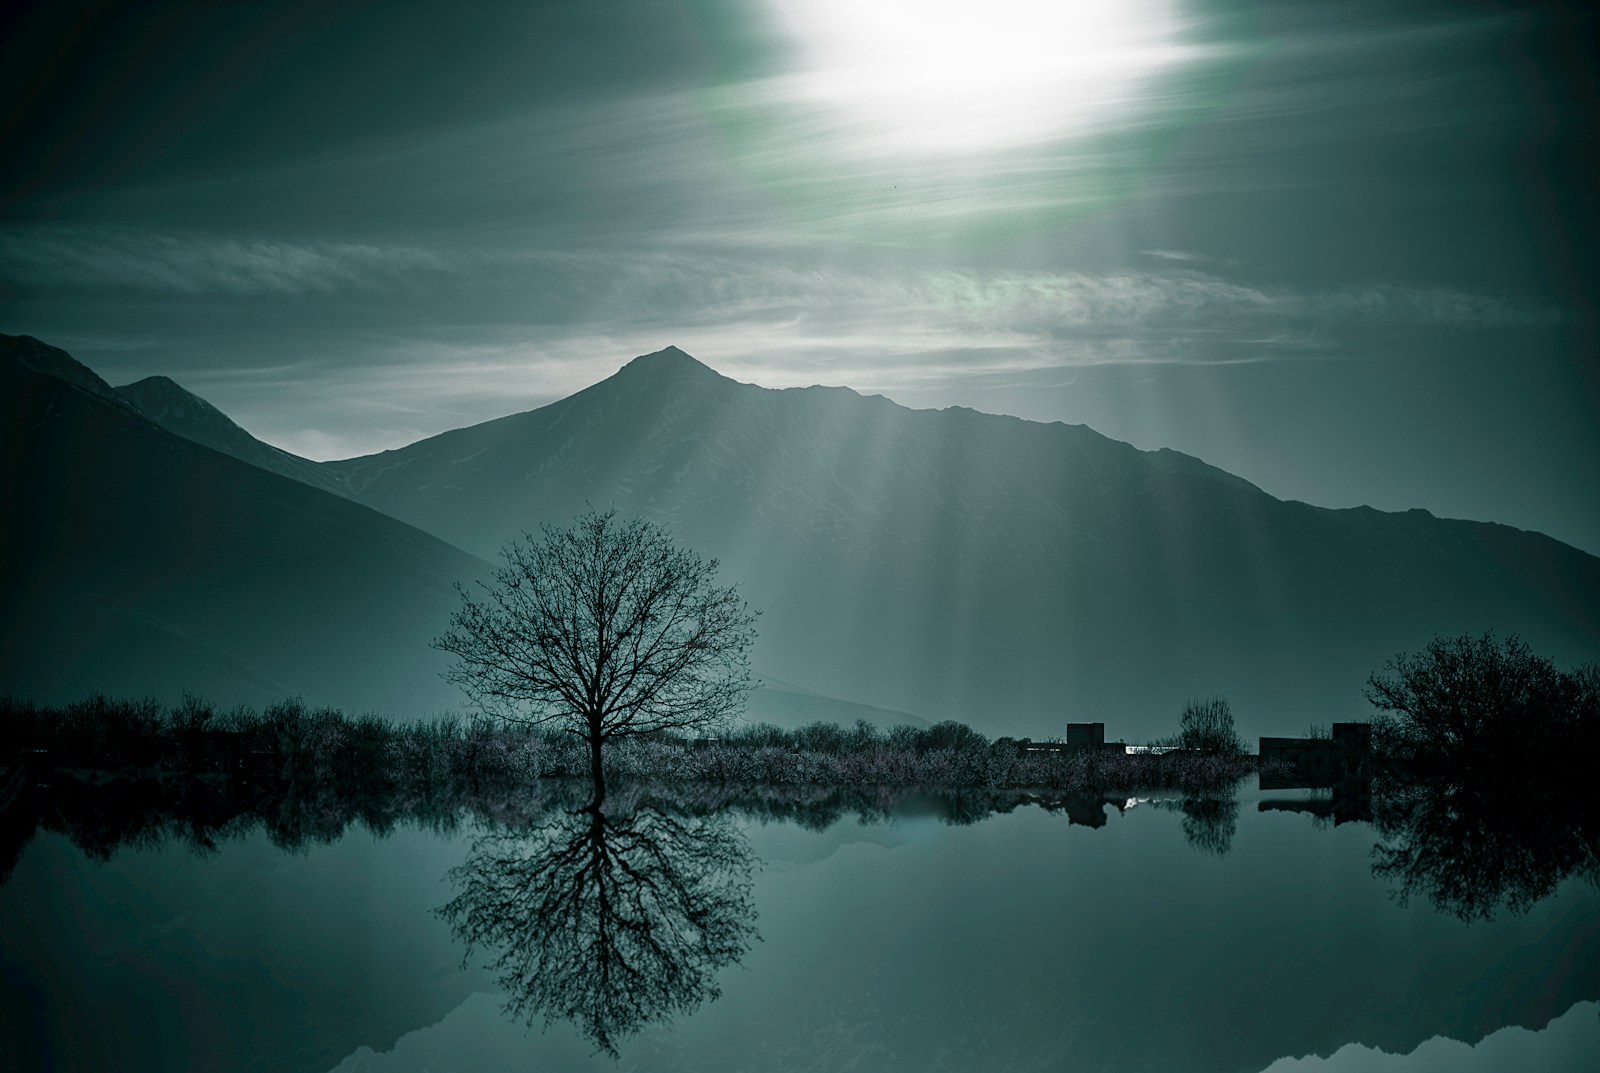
183, 413
1009, 573
136, 562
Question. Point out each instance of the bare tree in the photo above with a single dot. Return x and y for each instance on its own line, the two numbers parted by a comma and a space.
604, 628
1206, 726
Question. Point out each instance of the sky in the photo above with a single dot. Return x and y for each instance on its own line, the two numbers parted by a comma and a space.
1345, 249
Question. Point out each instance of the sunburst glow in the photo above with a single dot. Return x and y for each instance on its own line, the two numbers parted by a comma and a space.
964, 76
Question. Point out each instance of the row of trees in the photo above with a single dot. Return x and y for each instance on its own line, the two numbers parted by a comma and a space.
607, 630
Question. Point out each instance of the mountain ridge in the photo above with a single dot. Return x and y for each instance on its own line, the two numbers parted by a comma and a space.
987, 561
137, 562
184, 413
955, 564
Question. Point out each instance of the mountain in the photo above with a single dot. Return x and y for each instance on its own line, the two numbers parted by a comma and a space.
183, 413
25, 354
1012, 574
784, 705
133, 561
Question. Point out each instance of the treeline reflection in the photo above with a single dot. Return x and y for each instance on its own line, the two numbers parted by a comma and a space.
608, 920
1474, 842
1474, 850
617, 918
103, 813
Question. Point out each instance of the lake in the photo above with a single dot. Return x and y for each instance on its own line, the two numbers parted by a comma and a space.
1097, 934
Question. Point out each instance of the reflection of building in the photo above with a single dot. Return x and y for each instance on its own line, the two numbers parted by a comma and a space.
1083, 809
1351, 803
1339, 761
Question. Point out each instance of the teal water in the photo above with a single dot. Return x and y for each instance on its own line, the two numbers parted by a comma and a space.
1022, 941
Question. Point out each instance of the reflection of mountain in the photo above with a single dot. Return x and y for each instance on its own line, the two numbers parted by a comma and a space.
607, 921
134, 562
995, 570
1051, 945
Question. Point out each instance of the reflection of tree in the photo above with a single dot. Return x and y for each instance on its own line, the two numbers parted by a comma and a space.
1474, 848
607, 921
1210, 822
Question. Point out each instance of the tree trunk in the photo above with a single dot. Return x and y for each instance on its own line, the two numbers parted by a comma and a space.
596, 770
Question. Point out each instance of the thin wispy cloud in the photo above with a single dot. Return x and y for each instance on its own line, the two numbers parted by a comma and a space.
457, 335
85, 257
784, 326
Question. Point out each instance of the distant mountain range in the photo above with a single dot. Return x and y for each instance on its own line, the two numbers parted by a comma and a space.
183, 413
950, 563
137, 563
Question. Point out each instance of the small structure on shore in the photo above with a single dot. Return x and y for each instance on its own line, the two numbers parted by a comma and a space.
1085, 735
1295, 763
1080, 736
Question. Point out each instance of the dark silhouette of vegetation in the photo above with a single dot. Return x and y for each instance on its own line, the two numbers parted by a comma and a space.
1206, 727
1475, 848
1210, 819
1471, 702
1476, 754
604, 629
111, 774
292, 742
609, 921
1209, 822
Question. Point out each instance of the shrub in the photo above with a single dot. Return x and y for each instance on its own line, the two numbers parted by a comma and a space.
1206, 727
953, 736
1472, 700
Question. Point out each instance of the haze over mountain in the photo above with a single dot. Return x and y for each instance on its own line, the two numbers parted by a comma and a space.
951, 564
162, 570
183, 413
1011, 574
136, 562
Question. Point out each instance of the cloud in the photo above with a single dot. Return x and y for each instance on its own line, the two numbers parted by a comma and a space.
786, 326
905, 310
448, 337
83, 257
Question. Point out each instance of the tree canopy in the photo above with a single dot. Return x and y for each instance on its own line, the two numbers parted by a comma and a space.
1470, 700
605, 628
1206, 726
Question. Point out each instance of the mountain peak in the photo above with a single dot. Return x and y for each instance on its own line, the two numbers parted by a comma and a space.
183, 413
31, 355
669, 360
170, 404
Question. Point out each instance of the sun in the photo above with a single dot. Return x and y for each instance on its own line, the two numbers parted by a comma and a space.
972, 75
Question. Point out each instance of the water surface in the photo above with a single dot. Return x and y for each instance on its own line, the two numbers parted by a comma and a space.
1208, 935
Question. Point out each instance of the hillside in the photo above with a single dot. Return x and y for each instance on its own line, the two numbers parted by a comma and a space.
183, 413
133, 561
1008, 573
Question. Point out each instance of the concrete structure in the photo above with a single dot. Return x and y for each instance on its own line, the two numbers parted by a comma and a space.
1294, 763
1085, 735
1079, 736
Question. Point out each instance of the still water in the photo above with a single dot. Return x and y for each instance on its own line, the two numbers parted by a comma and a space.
1119, 935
